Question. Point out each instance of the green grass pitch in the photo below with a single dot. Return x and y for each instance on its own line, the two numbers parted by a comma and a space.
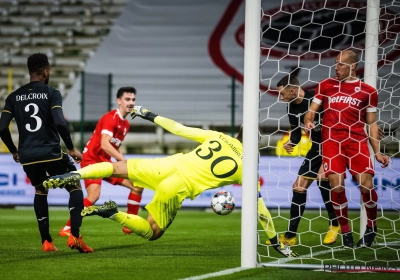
197, 243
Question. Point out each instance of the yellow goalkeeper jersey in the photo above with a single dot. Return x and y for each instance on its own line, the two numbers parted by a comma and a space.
216, 162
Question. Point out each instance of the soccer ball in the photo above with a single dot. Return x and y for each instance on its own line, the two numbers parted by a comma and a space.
223, 203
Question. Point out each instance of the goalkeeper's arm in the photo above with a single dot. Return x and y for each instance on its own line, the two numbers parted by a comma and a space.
195, 134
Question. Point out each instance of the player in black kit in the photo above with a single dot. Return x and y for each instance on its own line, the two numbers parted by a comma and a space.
310, 170
37, 110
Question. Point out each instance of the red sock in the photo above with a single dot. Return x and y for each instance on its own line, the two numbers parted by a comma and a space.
339, 202
134, 203
370, 200
86, 203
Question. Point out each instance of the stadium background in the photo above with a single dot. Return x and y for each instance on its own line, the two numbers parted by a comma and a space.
185, 59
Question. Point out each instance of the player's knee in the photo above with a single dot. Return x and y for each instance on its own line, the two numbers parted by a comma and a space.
137, 190
130, 185
301, 184
41, 190
299, 189
93, 193
73, 188
338, 189
366, 188
93, 197
157, 231
156, 234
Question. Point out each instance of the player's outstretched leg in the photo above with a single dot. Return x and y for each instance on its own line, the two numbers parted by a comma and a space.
62, 181
108, 209
368, 237
135, 223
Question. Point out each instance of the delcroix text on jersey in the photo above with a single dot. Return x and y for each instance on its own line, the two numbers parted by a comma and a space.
31, 96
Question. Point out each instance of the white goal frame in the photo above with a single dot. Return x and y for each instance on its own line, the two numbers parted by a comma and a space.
251, 98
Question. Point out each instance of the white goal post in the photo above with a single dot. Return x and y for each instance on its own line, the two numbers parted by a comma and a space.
261, 106
250, 133
370, 69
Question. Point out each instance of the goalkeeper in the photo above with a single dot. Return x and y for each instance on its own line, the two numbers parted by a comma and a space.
216, 162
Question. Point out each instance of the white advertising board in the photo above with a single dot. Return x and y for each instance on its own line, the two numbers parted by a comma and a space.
276, 174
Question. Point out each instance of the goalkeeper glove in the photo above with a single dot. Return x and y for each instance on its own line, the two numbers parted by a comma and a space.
143, 113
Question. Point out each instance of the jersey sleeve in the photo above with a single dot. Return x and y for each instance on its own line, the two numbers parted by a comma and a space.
8, 107
319, 91
295, 130
192, 133
5, 119
107, 125
59, 120
373, 101
56, 100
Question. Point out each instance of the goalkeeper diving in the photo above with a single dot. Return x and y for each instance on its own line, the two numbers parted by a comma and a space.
216, 162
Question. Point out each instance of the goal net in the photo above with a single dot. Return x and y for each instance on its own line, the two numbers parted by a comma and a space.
303, 38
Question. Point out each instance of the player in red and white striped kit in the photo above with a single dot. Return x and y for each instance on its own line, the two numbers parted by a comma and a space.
349, 104
105, 142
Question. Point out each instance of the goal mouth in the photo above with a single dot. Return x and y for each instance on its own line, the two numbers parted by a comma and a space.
303, 39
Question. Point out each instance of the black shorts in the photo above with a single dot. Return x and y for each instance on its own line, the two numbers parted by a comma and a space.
39, 172
312, 162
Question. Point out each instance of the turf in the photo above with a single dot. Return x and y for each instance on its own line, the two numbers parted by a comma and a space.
197, 243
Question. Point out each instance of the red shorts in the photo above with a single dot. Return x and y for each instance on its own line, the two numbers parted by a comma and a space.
350, 154
88, 182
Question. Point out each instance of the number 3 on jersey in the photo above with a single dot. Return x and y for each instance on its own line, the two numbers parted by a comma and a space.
218, 160
37, 119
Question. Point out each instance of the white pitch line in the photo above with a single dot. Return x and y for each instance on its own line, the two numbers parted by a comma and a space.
237, 269
214, 274
282, 261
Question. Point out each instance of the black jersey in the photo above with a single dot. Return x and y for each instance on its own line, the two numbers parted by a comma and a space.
31, 106
296, 114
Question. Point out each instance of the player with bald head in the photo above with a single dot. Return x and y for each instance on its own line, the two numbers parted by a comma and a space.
349, 105
345, 65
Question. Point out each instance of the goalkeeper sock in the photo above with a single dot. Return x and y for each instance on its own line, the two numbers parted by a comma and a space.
274, 240
296, 212
325, 189
265, 219
370, 200
135, 223
96, 171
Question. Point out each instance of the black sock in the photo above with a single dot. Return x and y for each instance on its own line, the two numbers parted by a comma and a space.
296, 212
325, 189
274, 240
75, 208
42, 215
